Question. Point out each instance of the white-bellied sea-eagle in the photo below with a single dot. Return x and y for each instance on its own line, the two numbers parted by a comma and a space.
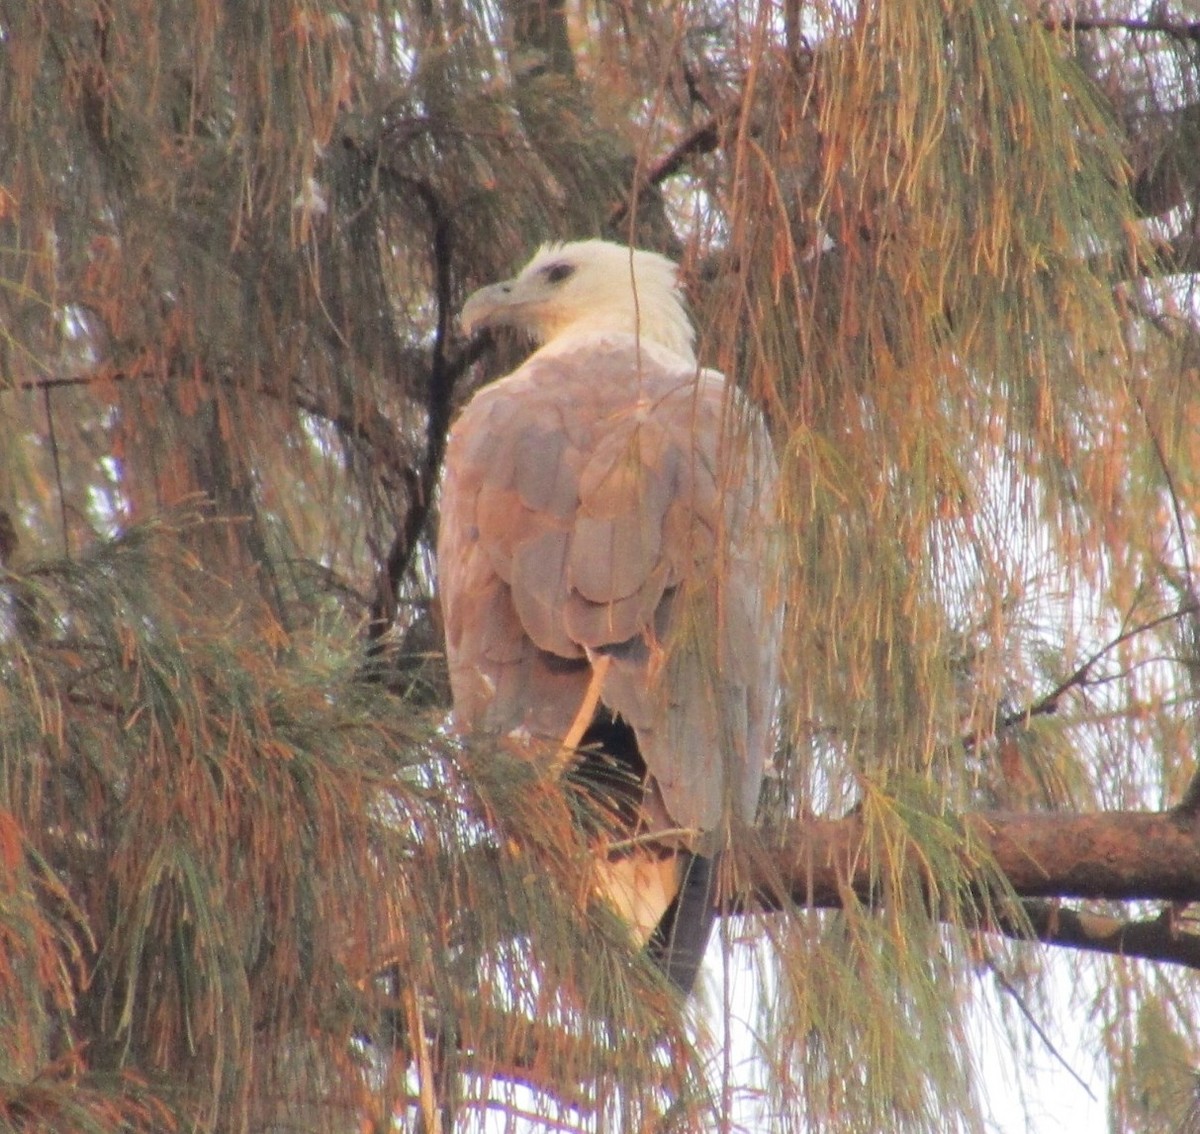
605, 573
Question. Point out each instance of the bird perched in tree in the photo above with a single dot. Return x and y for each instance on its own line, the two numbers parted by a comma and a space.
604, 574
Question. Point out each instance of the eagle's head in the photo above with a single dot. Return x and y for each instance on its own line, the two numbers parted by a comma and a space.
587, 286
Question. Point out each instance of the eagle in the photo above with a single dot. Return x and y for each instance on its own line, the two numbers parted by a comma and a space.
605, 575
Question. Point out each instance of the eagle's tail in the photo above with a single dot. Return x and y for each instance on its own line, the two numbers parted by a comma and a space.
679, 940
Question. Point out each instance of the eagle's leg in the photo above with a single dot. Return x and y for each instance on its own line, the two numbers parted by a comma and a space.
643, 873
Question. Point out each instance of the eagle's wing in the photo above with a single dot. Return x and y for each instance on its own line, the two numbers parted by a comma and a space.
606, 499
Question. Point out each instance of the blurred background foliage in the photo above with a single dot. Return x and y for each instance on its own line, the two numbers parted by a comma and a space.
246, 881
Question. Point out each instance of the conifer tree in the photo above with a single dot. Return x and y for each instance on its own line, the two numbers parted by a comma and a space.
249, 882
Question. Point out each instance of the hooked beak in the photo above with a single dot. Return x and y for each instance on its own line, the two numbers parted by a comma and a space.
490, 306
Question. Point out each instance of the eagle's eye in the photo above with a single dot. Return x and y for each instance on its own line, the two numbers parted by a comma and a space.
556, 273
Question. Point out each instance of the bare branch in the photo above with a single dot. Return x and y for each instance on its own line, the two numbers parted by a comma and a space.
442, 374
52, 441
1031, 1018
1183, 30
702, 140
70, 381
1047, 704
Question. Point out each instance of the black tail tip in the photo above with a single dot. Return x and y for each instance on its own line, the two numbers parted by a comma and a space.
681, 938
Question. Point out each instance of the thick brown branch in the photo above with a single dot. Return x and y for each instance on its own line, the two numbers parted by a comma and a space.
542, 36
1113, 856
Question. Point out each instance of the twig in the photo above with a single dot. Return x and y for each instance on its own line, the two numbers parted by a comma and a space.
1031, 1019
54, 456
372, 428
1190, 800
431, 1118
444, 372
1048, 702
654, 838
67, 382
702, 140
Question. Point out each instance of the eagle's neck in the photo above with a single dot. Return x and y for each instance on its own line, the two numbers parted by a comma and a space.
664, 324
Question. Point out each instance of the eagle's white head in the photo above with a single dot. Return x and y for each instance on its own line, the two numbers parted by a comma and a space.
586, 286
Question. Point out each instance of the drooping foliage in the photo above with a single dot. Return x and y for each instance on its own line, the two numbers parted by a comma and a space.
246, 879
298, 889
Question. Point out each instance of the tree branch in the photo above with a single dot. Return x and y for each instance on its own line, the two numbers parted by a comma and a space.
1079, 679
1031, 1018
1114, 856
1152, 939
702, 140
442, 375
1184, 30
